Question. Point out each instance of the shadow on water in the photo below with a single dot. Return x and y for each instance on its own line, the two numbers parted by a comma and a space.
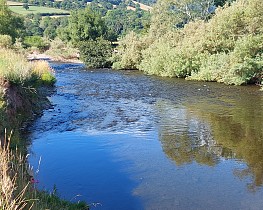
131, 141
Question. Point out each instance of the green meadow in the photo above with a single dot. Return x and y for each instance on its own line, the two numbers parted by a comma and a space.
37, 9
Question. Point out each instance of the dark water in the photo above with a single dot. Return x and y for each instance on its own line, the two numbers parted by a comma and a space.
130, 141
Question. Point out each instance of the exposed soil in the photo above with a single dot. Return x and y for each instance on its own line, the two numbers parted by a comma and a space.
21, 105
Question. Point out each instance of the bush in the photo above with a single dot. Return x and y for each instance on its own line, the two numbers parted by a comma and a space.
212, 68
5, 41
129, 52
96, 54
36, 41
228, 48
241, 66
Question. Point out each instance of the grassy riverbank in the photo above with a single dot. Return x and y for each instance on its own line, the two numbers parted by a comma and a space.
20, 100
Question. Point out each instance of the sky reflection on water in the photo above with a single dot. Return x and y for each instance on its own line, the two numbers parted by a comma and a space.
129, 141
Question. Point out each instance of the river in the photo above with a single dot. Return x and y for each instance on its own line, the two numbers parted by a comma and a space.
125, 140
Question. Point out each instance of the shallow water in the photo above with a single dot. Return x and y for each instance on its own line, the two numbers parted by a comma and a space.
124, 140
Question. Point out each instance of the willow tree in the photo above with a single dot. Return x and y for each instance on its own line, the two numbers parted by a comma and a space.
171, 14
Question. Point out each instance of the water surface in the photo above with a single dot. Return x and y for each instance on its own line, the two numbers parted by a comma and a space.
124, 140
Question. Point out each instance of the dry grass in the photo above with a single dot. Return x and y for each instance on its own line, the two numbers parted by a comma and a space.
13, 3
11, 197
60, 51
15, 68
40, 67
143, 6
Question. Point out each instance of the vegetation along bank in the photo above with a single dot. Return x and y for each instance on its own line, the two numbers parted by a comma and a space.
222, 44
208, 40
23, 89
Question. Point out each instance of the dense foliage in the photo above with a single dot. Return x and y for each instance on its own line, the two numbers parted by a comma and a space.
116, 16
226, 47
85, 25
9, 24
88, 32
96, 53
121, 21
76, 4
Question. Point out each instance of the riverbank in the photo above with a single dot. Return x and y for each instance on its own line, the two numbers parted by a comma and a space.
43, 56
24, 87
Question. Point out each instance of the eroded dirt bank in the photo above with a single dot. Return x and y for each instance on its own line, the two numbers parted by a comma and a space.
19, 106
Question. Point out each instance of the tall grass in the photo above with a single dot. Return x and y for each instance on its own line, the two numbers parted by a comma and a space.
18, 191
15, 68
12, 198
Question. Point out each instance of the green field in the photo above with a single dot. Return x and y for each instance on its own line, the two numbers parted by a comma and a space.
36, 9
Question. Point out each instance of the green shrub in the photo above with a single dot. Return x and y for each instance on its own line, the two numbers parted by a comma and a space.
43, 73
212, 68
129, 52
5, 41
241, 66
36, 41
48, 79
228, 48
96, 54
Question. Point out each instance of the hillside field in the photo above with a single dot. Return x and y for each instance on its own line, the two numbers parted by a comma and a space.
37, 9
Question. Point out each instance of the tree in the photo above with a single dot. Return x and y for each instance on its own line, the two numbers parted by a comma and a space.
35, 41
86, 25
32, 24
129, 51
222, 2
25, 6
96, 53
172, 14
10, 24
121, 21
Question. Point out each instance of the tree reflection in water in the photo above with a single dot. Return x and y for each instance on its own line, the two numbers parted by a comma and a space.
205, 132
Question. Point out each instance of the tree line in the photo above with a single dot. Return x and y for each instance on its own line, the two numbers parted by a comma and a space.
198, 41
75, 4
95, 24
193, 39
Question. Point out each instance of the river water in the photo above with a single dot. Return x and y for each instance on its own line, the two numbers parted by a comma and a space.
124, 140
